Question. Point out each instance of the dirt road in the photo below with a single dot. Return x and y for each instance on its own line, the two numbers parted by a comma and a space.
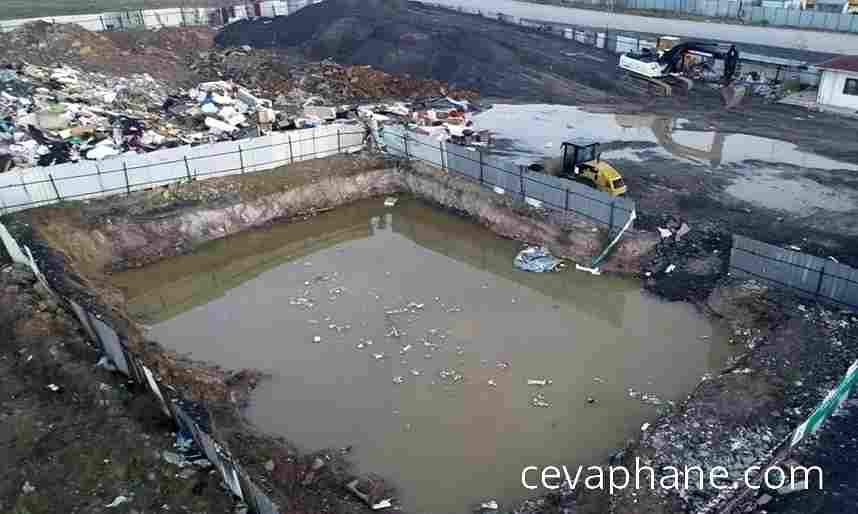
788, 38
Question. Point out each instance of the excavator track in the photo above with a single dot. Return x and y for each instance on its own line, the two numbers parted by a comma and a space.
647, 85
665, 86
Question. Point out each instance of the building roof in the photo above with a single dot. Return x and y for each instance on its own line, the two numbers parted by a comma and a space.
841, 63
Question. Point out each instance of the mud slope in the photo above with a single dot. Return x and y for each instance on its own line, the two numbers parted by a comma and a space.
467, 51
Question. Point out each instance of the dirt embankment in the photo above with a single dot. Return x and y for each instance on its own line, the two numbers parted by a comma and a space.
119, 233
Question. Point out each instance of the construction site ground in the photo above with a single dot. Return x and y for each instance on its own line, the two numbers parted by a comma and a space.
506, 65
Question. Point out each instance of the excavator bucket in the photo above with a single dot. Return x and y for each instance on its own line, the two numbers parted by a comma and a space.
733, 95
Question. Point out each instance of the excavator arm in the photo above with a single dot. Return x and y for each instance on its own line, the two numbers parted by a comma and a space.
671, 59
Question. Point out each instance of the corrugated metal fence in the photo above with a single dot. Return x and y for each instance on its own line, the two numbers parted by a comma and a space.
169, 17
809, 276
505, 177
191, 417
26, 188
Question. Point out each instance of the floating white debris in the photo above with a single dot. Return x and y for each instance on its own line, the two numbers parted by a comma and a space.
670, 269
398, 379
405, 349
491, 505
119, 500
539, 382
54, 387
390, 201
492, 383
540, 401
317, 339
416, 372
645, 427
378, 356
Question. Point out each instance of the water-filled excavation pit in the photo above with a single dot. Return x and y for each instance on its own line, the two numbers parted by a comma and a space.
407, 334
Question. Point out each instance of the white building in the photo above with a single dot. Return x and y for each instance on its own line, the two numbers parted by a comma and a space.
839, 84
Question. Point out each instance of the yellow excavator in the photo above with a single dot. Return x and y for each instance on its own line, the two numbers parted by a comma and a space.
580, 161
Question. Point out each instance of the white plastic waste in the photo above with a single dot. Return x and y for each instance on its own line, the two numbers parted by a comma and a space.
536, 259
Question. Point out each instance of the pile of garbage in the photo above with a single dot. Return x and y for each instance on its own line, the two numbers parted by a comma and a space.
51, 116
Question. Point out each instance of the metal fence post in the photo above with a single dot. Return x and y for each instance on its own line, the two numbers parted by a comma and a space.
188, 168
56, 191
441, 155
100, 181
241, 159
291, 153
521, 182
611, 220
481, 168
566, 206
339, 142
103, 26
127, 182
819, 282
405, 144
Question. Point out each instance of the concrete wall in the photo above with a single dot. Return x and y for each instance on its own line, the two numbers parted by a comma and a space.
831, 90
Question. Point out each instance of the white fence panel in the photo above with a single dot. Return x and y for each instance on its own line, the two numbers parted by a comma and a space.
76, 180
327, 142
157, 168
352, 137
280, 150
218, 159
302, 144
258, 154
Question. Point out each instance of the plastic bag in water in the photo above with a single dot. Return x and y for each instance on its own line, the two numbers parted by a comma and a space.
536, 259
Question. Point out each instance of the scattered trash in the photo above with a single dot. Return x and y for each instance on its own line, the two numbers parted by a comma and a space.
645, 427
536, 259
367, 497
378, 356
105, 364
390, 201
119, 500
590, 399
539, 401
592, 271
28, 488
683, 230
664, 233
317, 339
542, 382
175, 459
55, 388
490, 505
398, 380
492, 383
670, 269
269, 465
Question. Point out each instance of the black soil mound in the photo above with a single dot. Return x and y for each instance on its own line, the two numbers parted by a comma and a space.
468, 51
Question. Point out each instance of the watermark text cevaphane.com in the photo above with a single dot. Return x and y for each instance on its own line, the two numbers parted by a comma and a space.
618, 478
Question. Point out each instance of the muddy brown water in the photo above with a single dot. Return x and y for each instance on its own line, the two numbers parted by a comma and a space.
449, 317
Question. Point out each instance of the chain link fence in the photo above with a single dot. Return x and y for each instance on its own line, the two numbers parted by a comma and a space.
504, 177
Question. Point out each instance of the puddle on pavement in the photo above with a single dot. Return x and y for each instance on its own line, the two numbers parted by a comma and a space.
470, 330
748, 158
